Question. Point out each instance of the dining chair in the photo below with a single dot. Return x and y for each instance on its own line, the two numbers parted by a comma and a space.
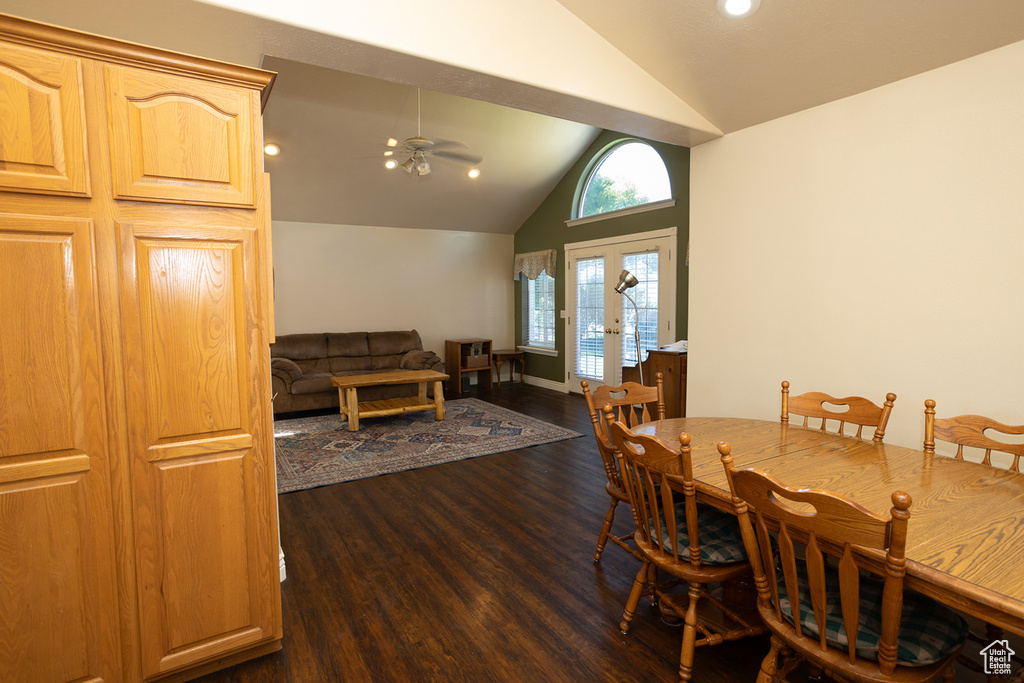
695, 544
855, 620
974, 431
632, 403
859, 411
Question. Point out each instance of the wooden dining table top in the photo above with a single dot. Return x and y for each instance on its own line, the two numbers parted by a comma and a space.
965, 545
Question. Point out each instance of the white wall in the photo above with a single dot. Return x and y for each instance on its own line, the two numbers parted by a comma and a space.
343, 278
873, 244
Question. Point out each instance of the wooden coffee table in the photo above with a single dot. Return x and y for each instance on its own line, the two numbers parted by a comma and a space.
353, 409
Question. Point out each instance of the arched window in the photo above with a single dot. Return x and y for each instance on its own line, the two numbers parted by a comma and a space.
629, 173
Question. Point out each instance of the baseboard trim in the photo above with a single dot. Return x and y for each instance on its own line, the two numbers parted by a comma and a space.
547, 384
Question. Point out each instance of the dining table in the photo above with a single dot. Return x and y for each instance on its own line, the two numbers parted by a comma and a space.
965, 544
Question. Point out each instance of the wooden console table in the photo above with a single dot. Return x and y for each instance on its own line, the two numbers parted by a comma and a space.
353, 409
467, 355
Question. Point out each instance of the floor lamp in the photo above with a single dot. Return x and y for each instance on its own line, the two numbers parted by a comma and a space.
626, 281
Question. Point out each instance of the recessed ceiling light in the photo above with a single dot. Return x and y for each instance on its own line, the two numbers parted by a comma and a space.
391, 163
270, 149
388, 153
392, 142
474, 173
738, 8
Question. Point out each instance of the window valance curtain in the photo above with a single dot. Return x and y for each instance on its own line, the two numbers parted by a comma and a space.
534, 263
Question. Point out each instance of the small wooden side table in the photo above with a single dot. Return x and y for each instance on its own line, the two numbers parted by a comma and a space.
511, 355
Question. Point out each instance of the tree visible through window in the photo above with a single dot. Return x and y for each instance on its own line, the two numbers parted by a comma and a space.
629, 174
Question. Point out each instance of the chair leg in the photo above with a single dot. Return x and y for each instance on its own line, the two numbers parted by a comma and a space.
689, 634
605, 529
652, 584
769, 666
634, 597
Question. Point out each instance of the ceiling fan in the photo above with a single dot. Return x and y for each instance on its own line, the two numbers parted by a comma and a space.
421, 150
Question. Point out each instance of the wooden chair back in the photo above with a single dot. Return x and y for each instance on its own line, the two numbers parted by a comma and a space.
632, 404
827, 524
972, 431
859, 411
649, 469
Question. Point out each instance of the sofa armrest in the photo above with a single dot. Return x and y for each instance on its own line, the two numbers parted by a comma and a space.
421, 360
286, 370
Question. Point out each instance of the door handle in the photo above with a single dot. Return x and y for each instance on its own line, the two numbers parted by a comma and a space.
608, 331
616, 330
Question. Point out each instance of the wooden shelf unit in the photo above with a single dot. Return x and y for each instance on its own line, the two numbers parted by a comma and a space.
456, 355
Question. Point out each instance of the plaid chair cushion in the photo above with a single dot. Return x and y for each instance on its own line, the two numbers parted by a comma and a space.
929, 631
718, 535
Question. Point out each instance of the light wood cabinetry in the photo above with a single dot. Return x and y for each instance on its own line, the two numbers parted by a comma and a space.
138, 523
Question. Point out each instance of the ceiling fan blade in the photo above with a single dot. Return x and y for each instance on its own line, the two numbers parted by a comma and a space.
460, 157
444, 144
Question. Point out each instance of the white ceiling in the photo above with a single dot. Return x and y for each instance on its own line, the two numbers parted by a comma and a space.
671, 70
333, 126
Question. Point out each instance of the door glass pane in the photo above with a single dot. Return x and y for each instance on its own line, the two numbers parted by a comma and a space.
645, 267
590, 318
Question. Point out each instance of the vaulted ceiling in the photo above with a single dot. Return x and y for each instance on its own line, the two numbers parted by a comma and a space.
527, 84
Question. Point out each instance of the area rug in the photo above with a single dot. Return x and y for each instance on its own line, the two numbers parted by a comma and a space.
316, 451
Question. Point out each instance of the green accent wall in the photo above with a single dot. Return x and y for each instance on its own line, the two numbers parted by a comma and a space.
546, 229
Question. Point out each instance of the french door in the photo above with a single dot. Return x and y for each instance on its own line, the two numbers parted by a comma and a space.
601, 324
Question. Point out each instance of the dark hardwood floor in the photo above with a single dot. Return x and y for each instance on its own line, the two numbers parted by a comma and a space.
477, 570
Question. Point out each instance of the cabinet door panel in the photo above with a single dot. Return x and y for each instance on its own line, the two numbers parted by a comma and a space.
206, 548
58, 604
181, 140
42, 122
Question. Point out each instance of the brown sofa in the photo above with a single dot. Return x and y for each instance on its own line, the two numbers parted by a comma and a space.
302, 365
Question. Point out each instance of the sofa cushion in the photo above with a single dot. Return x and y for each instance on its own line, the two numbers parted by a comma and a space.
300, 346
347, 344
393, 343
350, 373
340, 364
314, 366
378, 363
313, 383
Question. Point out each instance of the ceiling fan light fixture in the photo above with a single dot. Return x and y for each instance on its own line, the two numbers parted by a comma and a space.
735, 9
408, 165
422, 165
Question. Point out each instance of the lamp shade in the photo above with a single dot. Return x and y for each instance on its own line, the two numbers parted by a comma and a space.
626, 280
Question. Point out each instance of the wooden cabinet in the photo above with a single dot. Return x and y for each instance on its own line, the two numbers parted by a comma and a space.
138, 524
467, 355
672, 366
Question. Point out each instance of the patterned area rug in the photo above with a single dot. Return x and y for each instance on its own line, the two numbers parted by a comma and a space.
316, 451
